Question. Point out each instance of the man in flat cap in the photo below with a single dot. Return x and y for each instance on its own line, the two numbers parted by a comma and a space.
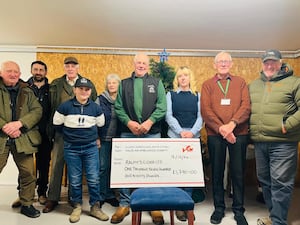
274, 129
71, 60
61, 90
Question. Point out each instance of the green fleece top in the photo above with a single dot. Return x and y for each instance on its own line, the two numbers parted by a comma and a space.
275, 102
161, 103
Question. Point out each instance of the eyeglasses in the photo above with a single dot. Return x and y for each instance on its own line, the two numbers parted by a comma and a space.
225, 62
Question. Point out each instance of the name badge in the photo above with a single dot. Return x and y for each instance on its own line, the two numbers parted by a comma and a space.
225, 101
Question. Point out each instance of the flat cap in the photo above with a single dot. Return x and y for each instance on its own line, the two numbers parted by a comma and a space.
70, 60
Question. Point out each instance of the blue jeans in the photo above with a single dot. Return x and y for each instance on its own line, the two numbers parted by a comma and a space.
217, 147
276, 164
79, 157
105, 167
126, 192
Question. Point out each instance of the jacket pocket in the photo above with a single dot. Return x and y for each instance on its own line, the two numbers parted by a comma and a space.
34, 137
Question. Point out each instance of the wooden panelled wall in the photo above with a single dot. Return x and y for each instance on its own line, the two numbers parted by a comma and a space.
97, 66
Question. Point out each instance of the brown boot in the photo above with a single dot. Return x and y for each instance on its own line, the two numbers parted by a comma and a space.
42, 199
16, 204
49, 206
120, 214
157, 217
181, 215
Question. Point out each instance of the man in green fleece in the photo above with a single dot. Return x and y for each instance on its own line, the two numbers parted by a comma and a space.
140, 106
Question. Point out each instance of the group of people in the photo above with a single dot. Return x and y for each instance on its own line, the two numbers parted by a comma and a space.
82, 122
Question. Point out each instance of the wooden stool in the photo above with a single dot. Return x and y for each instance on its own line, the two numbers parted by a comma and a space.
161, 198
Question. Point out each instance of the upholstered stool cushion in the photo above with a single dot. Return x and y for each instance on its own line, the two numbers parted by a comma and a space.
160, 198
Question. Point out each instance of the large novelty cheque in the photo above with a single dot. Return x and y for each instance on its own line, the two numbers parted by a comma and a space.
156, 162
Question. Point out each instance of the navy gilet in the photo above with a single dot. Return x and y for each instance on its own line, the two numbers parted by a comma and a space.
185, 108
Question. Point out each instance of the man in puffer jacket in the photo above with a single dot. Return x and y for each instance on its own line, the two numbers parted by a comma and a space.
274, 129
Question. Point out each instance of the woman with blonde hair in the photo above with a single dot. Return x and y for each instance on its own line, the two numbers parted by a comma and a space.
188, 72
183, 113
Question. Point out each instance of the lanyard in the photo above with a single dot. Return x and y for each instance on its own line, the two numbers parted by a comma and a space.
222, 89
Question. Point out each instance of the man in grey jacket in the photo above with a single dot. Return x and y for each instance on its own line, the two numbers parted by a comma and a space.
19, 134
274, 129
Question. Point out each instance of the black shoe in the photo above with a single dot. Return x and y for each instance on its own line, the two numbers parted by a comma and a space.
216, 217
240, 220
260, 198
101, 203
112, 201
30, 211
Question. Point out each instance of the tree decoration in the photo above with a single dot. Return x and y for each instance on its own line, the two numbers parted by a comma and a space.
163, 70
163, 56
166, 73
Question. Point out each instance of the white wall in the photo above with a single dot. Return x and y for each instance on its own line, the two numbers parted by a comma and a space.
24, 60
10, 173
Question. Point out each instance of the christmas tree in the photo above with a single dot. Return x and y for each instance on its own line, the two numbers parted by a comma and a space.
166, 73
163, 71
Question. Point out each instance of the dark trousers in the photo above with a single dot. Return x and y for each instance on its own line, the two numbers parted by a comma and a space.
43, 157
237, 158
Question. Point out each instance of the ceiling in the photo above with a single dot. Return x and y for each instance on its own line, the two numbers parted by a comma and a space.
253, 25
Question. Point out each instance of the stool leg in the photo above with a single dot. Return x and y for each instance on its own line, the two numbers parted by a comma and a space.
136, 218
139, 219
172, 217
190, 216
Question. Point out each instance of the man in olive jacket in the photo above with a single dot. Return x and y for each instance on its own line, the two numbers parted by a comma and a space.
20, 112
61, 90
274, 129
